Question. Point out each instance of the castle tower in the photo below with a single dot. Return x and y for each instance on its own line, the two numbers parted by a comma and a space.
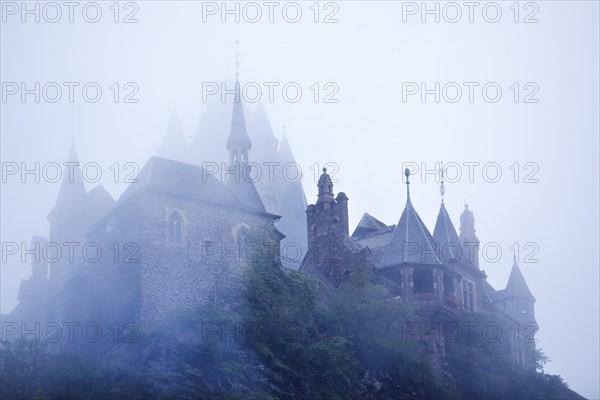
238, 143
240, 175
331, 253
468, 238
64, 217
449, 247
517, 298
518, 302
174, 145
264, 153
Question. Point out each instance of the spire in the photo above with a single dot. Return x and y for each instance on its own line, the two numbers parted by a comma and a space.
238, 143
411, 242
261, 134
174, 144
446, 238
284, 153
467, 225
325, 186
237, 60
72, 189
468, 238
516, 286
407, 174
442, 187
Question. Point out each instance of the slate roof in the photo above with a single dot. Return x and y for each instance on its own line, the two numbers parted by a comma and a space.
367, 225
493, 294
188, 180
411, 242
446, 239
245, 190
516, 286
238, 136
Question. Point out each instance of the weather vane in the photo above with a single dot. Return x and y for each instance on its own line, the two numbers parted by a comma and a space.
442, 186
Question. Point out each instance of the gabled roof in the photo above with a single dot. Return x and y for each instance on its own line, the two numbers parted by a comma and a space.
516, 286
100, 197
179, 178
446, 239
367, 225
493, 294
411, 242
245, 190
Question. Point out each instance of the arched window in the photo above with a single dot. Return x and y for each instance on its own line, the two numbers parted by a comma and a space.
242, 241
175, 228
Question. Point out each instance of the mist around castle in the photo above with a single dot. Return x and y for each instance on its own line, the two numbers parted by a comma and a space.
245, 201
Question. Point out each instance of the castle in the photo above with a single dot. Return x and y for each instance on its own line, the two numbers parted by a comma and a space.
176, 238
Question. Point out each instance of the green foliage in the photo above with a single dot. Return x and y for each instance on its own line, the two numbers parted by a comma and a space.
29, 371
541, 359
284, 336
480, 365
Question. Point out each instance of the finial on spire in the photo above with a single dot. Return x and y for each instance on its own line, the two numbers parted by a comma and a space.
407, 174
284, 127
324, 170
237, 60
442, 186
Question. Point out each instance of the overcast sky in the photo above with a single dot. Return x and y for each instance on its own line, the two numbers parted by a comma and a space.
372, 60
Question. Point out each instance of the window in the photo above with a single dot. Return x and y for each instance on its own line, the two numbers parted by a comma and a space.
468, 294
175, 228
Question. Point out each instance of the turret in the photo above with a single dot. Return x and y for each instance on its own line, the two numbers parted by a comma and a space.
517, 301
325, 186
468, 238
331, 254
517, 298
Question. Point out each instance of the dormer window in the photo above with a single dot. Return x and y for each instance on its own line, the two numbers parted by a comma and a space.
175, 228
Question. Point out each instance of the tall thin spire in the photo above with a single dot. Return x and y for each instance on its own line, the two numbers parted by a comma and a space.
237, 60
72, 189
238, 142
407, 174
442, 186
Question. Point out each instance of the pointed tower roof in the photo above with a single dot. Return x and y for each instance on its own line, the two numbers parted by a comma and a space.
238, 136
411, 242
516, 286
284, 153
72, 189
446, 238
261, 134
368, 224
174, 144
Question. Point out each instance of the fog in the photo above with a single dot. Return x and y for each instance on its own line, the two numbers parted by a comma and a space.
545, 145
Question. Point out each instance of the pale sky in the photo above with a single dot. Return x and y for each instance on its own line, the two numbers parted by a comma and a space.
368, 56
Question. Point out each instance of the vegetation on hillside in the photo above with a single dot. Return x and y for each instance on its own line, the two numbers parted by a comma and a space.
285, 336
